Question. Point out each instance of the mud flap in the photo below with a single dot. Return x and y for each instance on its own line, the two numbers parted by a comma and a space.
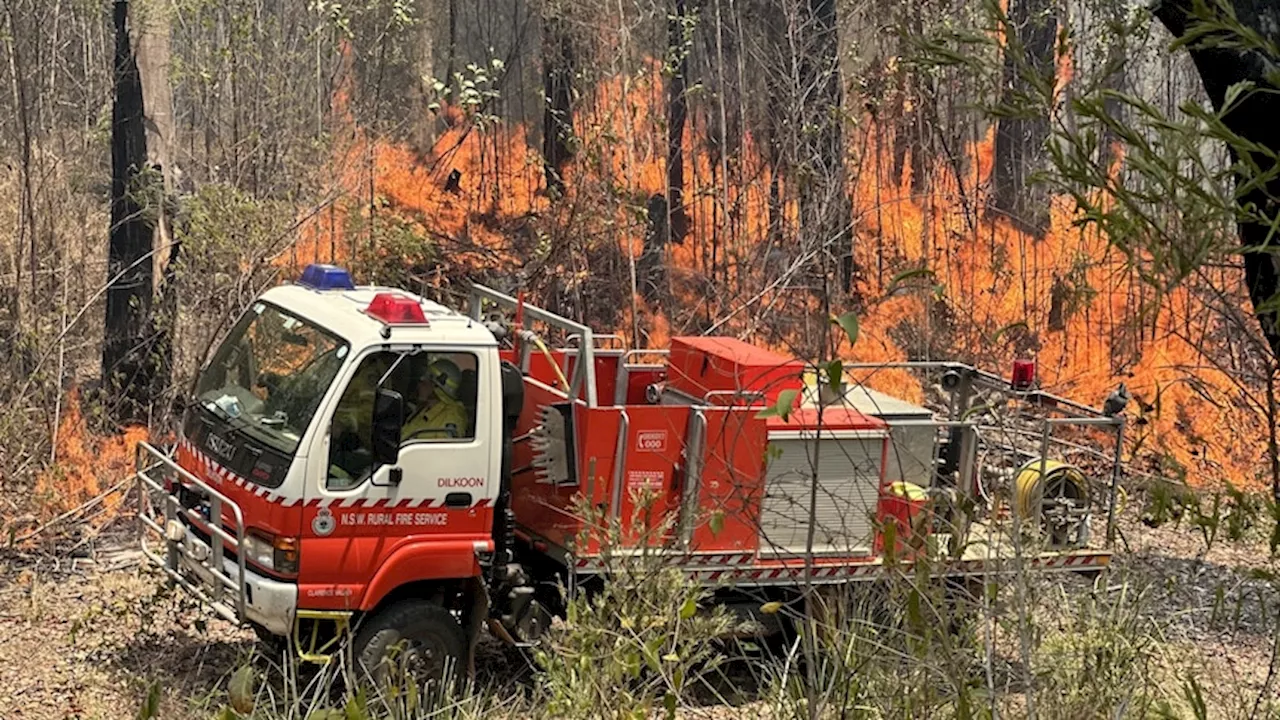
473, 620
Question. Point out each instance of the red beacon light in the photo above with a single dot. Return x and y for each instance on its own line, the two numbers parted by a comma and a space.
1024, 375
395, 309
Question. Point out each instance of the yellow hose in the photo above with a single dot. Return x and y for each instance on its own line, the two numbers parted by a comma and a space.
550, 358
1029, 484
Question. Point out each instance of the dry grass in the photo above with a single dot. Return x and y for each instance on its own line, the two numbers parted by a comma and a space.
87, 639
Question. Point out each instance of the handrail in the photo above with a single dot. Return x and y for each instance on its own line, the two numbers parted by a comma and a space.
584, 376
620, 458
989, 378
625, 368
576, 338
752, 394
695, 451
645, 351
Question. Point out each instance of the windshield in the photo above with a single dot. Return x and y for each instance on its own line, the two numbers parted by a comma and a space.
269, 375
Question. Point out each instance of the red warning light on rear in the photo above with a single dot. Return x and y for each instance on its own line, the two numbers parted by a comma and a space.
1024, 374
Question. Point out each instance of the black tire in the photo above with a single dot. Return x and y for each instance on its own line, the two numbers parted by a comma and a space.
412, 640
270, 645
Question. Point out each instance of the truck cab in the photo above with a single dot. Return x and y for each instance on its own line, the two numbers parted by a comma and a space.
349, 440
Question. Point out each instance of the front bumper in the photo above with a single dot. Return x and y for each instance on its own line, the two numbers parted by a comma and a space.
173, 537
267, 602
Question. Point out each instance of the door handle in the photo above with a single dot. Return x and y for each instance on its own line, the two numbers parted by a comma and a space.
457, 500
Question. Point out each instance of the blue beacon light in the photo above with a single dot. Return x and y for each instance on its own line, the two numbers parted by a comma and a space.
326, 277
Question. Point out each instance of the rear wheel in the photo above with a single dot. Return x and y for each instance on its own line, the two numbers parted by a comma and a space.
411, 642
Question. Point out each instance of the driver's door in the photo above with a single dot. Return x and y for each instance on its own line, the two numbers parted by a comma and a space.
356, 516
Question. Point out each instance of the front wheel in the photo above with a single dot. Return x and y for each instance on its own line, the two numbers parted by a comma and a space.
411, 642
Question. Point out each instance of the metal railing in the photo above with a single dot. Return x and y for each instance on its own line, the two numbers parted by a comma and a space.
187, 561
583, 383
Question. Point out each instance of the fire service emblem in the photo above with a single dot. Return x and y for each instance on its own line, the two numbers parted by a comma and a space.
324, 522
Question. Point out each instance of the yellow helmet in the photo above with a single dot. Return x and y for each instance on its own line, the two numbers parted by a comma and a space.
447, 376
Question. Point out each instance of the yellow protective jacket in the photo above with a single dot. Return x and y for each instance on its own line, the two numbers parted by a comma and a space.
446, 419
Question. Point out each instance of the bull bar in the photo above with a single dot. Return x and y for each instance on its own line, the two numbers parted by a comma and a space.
158, 478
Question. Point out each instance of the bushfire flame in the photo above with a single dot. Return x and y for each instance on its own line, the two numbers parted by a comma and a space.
982, 291
86, 464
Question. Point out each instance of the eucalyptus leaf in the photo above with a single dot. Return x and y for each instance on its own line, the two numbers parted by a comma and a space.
849, 323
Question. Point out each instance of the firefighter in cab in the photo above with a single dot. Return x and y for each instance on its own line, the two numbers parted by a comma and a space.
439, 412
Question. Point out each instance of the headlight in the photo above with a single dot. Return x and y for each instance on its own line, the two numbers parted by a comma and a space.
259, 551
278, 554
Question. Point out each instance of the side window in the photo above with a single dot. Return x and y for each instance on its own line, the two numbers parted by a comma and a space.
440, 406
351, 435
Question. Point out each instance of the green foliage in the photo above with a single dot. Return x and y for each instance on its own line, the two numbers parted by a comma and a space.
1172, 206
391, 250
1207, 517
473, 91
900, 282
834, 374
1243, 509
1013, 327
781, 407
638, 645
241, 689
901, 648
1099, 661
151, 705
1165, 502
848, 322
1273, 511
228, 239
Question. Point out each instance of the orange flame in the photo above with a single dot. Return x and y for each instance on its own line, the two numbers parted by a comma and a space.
993, 292
85, 465
1089, 321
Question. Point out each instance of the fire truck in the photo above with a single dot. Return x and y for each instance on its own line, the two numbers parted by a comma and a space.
362, 464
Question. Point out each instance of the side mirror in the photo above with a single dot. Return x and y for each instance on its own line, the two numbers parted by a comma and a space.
388, 420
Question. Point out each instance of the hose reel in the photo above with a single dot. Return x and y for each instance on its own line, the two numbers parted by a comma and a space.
1054, 496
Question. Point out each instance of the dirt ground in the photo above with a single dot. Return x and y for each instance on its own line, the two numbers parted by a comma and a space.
87, 638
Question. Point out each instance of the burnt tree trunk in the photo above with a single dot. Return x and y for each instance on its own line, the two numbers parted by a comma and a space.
825, 209
668, 221
1221, 66
677, 113
1028, 78
128, 367
913, 95
1116, 79
557, 116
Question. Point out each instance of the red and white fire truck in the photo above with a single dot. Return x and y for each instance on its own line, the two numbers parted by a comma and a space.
361, 462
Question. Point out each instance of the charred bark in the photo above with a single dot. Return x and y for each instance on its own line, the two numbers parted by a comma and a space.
1222, 65
129, 370
651, 271
677, 113
1029, 69
1116, 79
825, 209
557, 117
913, 96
